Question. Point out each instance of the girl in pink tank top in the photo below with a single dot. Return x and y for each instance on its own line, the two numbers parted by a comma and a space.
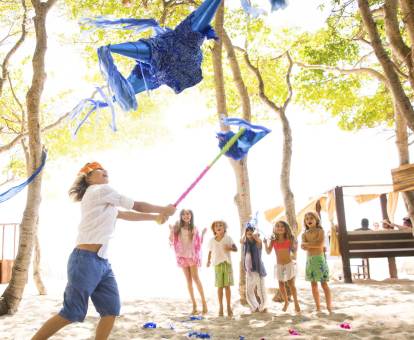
186, 240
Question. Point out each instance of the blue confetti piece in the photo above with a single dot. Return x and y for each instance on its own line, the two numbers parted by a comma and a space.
193, 318
150, 325
199, 335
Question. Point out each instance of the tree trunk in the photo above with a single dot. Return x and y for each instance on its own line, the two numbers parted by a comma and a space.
36, 259
218, 66
288, 197
403, 153
12, 296
242, 197
407, 7
399, 97
397, 44
36, 264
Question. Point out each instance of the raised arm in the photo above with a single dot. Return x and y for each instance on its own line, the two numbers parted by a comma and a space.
134, 216
268, 247
145, 207
202, 234
258, 240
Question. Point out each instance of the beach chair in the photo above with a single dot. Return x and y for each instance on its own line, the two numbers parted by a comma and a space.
362, 270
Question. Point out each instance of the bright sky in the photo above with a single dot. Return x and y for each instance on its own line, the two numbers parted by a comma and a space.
323, 156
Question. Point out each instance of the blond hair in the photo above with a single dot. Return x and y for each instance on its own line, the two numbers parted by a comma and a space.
213, 225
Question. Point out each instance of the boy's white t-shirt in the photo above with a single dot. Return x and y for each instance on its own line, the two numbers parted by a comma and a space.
218, 254
98, 215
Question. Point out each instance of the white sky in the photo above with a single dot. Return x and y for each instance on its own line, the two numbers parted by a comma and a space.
323, 156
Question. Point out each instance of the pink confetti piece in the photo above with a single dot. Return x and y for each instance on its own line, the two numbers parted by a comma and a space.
293, 332
345, 325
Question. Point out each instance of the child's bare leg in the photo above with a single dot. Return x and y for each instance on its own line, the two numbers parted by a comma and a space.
50, 327
220, 297
315, 293
328, 296
228, 300
292, 287
282, 290
104, 328
187, 273
196, 278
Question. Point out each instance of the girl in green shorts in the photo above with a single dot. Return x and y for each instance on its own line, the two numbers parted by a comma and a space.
313, 241
220, 247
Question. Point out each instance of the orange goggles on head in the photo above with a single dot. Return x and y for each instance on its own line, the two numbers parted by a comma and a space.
89, 167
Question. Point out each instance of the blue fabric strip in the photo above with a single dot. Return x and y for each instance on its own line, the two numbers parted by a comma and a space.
278, 4
109, 103
249, 9
122, 89
251, 136
94, 105
244, 123
15, 190
124, 23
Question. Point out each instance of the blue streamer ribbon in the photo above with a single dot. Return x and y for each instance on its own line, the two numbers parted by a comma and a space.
123, 91
15, 190
278, 4
249, 9
95, 105
124, 24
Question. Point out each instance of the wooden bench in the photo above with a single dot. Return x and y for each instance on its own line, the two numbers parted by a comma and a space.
382, 243
368, 244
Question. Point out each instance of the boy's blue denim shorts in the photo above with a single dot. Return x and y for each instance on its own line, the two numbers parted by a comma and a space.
89, 276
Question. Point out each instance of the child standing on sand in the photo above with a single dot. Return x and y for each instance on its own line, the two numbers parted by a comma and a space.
187, 242
255, 270
313, 240
220, 247
285, 246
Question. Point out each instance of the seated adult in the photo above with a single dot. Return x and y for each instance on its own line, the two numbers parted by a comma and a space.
364, 225
405, 225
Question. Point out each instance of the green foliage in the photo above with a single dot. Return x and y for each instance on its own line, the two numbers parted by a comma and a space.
355, 100
15, 168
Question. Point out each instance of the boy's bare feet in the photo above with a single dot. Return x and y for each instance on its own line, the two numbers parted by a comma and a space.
205, 309
297, 308
221, 313
264, 310
285, 307
229, 312
194, 311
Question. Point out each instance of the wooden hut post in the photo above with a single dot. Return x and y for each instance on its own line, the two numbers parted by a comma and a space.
392, 265
343, 234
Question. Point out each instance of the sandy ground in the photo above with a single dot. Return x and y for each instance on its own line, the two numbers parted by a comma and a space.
373, 309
